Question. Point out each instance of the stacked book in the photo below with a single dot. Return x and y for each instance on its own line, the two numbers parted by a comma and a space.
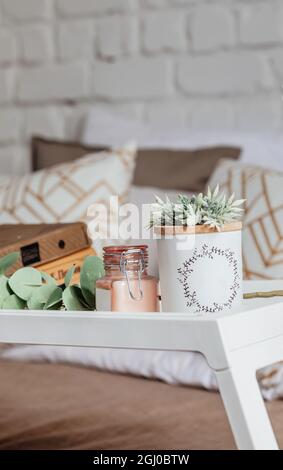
52, 248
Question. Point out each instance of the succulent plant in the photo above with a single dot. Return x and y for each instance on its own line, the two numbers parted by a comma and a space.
212, 209
31, 289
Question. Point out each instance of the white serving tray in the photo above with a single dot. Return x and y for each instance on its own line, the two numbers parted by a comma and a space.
235, 346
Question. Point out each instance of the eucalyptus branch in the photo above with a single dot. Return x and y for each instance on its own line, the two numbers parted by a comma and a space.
264, 295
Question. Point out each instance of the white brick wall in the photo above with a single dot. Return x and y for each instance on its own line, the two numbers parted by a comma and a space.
132, 79
44, 121
261, 23
277, 64
179, 63
8, 46
212, 27
7, 85
224, 73
76, 39
53, 82
85, 7
10, 129
123, 39
22, 10
36, 43
164, 31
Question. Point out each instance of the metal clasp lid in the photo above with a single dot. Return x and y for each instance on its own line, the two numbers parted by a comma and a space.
131, 262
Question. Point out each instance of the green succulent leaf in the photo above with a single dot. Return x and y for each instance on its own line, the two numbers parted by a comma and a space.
73, 298
69, 275
5, 291
213, 209
92, 270
24, 281
55, 300
7, 261
13, 302
48, 279
40, 296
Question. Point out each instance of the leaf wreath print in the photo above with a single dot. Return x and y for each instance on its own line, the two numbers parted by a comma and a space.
188, 268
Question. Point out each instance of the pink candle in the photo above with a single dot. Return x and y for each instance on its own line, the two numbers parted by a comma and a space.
127, 287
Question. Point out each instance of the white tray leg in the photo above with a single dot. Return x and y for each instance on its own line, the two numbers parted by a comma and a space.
245, 409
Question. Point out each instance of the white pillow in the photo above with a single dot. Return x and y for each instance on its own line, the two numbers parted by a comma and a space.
104, 128
178, 368
171, 367
140, 195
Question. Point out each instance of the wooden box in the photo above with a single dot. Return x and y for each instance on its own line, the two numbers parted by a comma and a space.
41, 244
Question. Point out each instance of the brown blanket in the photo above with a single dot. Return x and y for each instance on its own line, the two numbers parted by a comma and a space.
45, 406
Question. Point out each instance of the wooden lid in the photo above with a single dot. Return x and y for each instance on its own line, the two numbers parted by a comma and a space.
197, 229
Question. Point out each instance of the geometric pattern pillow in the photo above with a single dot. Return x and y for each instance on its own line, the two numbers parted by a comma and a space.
263, 216
63, 193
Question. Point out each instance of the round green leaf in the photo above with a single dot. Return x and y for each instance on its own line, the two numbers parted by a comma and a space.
69, 275
48, 279
55, 300
24, 281
5, 291
92, 270
8, 261
13, 303
40, 296
72, 298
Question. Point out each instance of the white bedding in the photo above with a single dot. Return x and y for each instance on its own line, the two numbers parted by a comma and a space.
258, 147
171, 367
179, 368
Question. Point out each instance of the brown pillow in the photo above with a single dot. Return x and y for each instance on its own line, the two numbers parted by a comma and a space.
46, 152
187, 170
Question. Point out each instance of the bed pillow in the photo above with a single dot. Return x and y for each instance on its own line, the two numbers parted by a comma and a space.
64, 192
48, 152
173, 367
258, 147
263, 218
169, 169
186, 368
180, 170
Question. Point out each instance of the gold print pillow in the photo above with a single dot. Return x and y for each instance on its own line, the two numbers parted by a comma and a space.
64, 192
263, 219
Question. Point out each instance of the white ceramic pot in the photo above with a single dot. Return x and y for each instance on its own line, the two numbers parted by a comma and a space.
200, 269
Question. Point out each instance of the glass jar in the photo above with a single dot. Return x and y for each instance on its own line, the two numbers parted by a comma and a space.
126, 286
